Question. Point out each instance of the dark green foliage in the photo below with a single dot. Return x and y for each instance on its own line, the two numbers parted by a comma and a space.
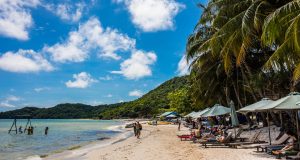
61, 111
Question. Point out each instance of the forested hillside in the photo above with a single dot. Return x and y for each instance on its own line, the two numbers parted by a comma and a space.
154, 102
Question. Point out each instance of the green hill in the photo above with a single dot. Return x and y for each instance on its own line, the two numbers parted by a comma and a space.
148, 105
154, 102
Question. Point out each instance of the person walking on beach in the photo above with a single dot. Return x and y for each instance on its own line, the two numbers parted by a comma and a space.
138, 129
134, 129
179, 123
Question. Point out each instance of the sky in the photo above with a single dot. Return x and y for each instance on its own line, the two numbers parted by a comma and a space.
90, 51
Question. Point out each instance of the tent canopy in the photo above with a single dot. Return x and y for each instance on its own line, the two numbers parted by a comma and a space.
171, 116
286, 103
190, 114
217, 110
255, 106
168, 113
200, 113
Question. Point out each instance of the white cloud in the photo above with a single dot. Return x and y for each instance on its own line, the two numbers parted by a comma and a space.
91, 36
15, 18
24, 61
153, 15
95, 103
7, 102
106, 78
136, 93
13, 98
109, 96
82, 80
138, 65
41, 89
67, 12
183, 66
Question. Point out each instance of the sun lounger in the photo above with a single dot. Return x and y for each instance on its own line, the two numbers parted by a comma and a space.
278, 142
291, 153
186, 136
253, 140
296, 157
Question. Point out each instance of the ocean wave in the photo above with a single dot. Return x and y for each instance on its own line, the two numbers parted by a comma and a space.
118, 128
34, 157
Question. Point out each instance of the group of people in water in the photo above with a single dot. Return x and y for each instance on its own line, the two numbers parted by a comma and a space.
137, 127
30, 130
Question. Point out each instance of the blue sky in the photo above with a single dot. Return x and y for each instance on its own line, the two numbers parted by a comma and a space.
90, 51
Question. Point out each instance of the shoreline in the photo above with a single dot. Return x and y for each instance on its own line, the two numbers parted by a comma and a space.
79, 149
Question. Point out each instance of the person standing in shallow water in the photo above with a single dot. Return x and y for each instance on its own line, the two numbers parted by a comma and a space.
20, 130
46, 130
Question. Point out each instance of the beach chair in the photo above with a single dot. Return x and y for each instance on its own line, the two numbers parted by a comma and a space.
186, 136
253, 140
238, 135
276, 144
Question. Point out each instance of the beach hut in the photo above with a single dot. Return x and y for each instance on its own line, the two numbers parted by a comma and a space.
216, 110
255, 106
164, 115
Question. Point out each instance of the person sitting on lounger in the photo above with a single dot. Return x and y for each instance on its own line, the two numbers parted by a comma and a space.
224, 136
290, 144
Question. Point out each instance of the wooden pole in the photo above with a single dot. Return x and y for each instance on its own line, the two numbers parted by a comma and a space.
269, 128
297, 124
281, 122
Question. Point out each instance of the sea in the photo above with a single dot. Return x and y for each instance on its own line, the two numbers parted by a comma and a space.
63, 134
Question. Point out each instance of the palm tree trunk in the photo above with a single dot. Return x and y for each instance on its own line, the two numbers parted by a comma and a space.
237, 95
249, 84
251, 75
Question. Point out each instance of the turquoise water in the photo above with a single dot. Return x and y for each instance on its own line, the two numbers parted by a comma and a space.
63, 134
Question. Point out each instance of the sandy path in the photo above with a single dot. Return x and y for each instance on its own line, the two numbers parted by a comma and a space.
157, 142
161, 143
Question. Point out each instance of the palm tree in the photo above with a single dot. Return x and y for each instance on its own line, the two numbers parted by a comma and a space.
282, 32
227, 51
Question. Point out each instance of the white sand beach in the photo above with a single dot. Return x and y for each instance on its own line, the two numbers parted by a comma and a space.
161, 142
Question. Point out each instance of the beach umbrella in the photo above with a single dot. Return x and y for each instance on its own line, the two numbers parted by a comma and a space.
255, 106
200, 113
286, 103
233, 115
190, 114
216, 110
